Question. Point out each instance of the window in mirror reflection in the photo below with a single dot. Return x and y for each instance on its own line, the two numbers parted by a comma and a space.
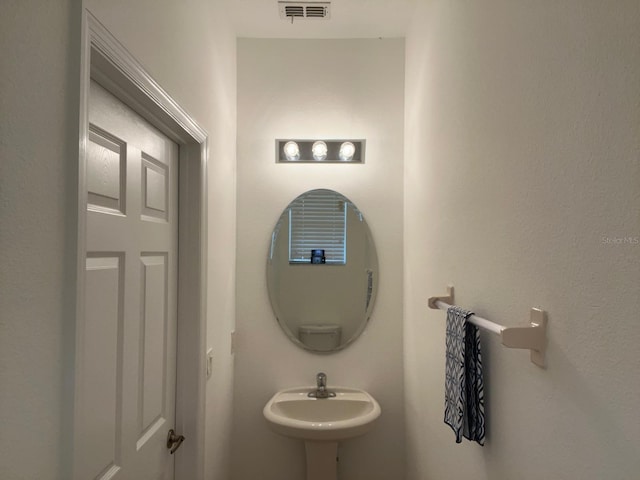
317, 222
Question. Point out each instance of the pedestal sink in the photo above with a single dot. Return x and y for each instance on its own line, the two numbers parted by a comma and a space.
321, 423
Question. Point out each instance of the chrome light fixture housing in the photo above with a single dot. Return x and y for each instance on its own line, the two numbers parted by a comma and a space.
320, 151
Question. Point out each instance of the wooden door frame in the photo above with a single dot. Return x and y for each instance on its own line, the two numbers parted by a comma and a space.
108, 62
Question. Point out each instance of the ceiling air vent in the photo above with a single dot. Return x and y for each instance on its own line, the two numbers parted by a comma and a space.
292, 10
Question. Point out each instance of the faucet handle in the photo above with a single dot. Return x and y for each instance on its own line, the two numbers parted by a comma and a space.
321, 392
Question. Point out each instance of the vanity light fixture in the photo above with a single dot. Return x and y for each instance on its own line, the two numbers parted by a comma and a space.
319, 151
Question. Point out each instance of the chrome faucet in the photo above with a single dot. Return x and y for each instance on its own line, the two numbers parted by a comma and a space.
321, 391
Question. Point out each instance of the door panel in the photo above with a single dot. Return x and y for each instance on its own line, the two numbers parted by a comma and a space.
129, 340
105, 171
153, 343
102, 344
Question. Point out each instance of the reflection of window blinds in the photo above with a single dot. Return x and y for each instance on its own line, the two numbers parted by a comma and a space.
318, 220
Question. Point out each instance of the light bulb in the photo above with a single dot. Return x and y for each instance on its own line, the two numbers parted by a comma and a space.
292, 151
347, 150
319, 150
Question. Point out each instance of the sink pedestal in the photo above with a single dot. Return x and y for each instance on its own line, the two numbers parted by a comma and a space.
321, 423
322, 460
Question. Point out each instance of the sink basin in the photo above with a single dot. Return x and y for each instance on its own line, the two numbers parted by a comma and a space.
350, 413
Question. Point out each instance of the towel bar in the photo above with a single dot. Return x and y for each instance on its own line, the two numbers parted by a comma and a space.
531, 337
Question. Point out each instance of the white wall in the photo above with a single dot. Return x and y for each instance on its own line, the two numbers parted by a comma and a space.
39, 136
522, 170
318, 89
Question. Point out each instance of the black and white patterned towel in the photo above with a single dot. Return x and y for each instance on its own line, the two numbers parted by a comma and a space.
464, 390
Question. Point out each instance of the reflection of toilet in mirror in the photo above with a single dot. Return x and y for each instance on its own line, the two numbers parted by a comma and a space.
321, 338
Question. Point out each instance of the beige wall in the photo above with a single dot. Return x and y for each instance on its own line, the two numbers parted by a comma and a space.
39, 135
318, 89
522, 183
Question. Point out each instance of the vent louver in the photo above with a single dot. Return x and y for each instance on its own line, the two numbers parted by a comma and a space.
294, 11
291, 10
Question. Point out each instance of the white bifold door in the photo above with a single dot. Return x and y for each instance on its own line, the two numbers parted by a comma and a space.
127, 376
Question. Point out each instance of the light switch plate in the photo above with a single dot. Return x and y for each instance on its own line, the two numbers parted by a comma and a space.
209, 363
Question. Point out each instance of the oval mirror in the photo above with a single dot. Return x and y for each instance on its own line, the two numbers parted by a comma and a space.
322, 271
